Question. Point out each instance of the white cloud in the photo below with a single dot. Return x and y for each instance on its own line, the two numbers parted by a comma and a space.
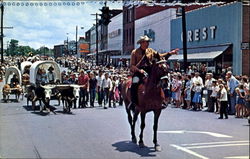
37, 26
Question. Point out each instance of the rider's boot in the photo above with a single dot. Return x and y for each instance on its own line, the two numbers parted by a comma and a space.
134, 95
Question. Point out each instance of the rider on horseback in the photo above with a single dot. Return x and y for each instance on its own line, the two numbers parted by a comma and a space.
141, 60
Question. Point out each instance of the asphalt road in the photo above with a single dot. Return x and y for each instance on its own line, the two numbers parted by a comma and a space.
96, 133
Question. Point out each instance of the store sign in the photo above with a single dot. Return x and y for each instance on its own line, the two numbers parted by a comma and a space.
150, 33
245, 46
115, 33
201, 34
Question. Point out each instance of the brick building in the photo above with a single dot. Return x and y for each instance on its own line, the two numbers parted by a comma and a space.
246, 40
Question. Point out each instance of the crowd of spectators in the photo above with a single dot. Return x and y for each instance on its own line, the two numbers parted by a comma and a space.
227, 94
195, 90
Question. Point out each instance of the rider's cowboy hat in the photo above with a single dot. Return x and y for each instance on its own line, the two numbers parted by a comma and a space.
143, 38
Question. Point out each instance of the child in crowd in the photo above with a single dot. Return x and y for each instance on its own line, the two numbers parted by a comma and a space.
247, 104
197, 96
177, 90
240, 102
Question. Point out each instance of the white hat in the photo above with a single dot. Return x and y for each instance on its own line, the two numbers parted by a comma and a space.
143, 38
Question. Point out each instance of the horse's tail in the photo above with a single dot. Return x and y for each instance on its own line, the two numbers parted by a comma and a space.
125, 92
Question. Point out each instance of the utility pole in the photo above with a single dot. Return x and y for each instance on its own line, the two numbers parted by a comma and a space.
67, 52
7, 51
2, 27
184, 37
76, 38
2, 8
96, 30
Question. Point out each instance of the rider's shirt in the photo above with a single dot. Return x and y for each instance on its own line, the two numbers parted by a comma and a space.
138, 54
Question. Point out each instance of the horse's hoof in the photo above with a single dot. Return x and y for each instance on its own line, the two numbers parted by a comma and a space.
157, 148
141, 145
134, 140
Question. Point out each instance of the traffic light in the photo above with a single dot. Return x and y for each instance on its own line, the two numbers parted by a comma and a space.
105, 16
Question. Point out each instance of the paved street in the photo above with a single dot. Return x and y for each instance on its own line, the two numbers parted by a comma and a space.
97, 133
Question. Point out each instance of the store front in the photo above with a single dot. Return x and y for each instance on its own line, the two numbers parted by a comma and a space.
214, 37
115, 38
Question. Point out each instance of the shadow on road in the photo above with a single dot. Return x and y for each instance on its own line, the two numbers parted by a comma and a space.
62, 112
128, 146
9, 101
41, 113
29, 108
37, 110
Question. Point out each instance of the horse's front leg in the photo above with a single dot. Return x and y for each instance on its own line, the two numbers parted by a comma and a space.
157, 114
132, 121
141, 143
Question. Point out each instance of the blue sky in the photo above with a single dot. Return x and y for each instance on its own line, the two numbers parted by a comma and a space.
37, 26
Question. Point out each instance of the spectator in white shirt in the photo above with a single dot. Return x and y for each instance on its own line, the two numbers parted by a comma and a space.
223, 100
106, 86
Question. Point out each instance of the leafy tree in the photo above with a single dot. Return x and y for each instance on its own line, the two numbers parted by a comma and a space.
25, 50
13, 47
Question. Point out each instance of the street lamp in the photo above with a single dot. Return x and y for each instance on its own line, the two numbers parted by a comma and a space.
7, 51
67, 52
76, 38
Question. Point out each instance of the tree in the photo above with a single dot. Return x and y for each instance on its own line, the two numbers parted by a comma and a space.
24, 50
13, 47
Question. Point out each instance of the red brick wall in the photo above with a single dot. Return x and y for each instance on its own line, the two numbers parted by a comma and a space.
246, 38
144, 11
128, 25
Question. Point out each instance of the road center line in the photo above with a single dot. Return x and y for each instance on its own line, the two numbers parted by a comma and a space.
211, 146
196, 132
189, 151
210, 143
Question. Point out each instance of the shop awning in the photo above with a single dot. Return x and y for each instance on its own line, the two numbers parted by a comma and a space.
201, 54
120, 57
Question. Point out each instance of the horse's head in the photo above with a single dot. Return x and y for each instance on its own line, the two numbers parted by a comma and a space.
158, 70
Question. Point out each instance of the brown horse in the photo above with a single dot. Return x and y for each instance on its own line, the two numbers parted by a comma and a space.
150, 98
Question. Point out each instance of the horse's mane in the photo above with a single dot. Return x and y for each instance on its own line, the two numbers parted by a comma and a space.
154, 76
